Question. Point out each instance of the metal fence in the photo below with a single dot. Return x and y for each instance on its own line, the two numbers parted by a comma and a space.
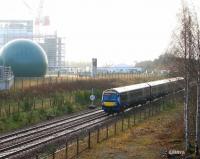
15, 107
22, 83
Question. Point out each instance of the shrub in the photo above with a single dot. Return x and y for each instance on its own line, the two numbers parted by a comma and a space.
82, 97
27, 105
16, 117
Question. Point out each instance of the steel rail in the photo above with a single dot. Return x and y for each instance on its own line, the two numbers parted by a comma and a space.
34, 144
45, 124
54, 132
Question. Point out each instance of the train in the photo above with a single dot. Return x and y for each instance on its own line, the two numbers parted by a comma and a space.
116, 100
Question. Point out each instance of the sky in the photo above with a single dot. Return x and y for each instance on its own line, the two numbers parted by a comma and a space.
113, 31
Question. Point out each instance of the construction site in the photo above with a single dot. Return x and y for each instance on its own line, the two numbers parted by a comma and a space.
53, 45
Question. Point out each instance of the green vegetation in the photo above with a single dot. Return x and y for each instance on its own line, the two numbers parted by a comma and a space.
19, 108
165, 61
61, 103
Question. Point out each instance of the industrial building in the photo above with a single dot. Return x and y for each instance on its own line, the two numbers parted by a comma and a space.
120, 70
25, 57
6, 78
53, 45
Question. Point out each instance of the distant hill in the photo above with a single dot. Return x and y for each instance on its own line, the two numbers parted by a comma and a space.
163, 62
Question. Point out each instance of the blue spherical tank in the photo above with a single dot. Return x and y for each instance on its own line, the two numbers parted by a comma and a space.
1, 61
26, 58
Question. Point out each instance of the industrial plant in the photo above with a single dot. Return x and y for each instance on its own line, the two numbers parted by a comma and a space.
52, 44
27, 49
25, 57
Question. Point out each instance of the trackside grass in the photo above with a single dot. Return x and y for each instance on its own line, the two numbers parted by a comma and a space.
145, 140
144, 134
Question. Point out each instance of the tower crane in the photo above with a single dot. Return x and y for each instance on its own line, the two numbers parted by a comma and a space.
40, 20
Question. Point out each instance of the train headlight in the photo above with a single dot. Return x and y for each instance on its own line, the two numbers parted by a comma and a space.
109, 104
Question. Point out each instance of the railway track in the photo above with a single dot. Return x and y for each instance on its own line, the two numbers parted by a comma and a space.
33, 138
30, 138
44, 124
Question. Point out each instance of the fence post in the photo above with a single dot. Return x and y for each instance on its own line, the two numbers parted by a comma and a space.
107, 131
156, 107
50, 102
29, 82
42, 104
34, 103
43, 80
160, 105
153, 109
163, 102
53, 155
37, 82
0, 108
22, 84
123, 124
14, 83
129, 121
89, 135
98, 132
18, 106
149, 108
134, 117
9, 109
77, 146
66, 150
115, 128
37, 157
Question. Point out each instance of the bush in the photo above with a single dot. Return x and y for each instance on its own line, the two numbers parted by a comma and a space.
82, 97
70, 109
16, 117
27, 105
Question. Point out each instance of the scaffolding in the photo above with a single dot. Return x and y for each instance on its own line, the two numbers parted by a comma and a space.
6, 78
53, 45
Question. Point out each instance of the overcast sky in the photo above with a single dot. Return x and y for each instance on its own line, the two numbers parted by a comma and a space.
113, 31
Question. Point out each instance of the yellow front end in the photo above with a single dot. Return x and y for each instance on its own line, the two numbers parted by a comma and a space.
109, 104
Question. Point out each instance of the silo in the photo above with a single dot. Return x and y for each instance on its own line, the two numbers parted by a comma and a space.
1, 61
26, 58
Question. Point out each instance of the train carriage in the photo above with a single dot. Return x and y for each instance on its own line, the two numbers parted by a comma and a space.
159, 88
120, 98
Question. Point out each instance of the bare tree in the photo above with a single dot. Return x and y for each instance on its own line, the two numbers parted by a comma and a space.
197, 138
183, 48
187, 47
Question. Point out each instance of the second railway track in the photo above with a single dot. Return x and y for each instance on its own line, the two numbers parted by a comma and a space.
31, 137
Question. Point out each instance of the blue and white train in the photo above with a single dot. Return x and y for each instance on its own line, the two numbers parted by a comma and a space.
118, 99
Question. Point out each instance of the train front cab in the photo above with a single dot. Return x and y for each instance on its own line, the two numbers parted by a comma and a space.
110, 101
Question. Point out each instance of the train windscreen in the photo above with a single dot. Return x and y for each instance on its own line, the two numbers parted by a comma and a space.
110, 97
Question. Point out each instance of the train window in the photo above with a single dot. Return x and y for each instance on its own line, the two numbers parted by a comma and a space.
110, 97
123, 97
136, 93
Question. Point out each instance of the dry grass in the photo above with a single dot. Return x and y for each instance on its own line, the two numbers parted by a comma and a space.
144, 141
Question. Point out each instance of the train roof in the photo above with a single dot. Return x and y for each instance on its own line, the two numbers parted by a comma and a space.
153, 83
128, 88
142, 85
175, 79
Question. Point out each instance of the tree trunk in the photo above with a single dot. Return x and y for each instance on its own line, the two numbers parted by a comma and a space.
197, 117
186, 123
